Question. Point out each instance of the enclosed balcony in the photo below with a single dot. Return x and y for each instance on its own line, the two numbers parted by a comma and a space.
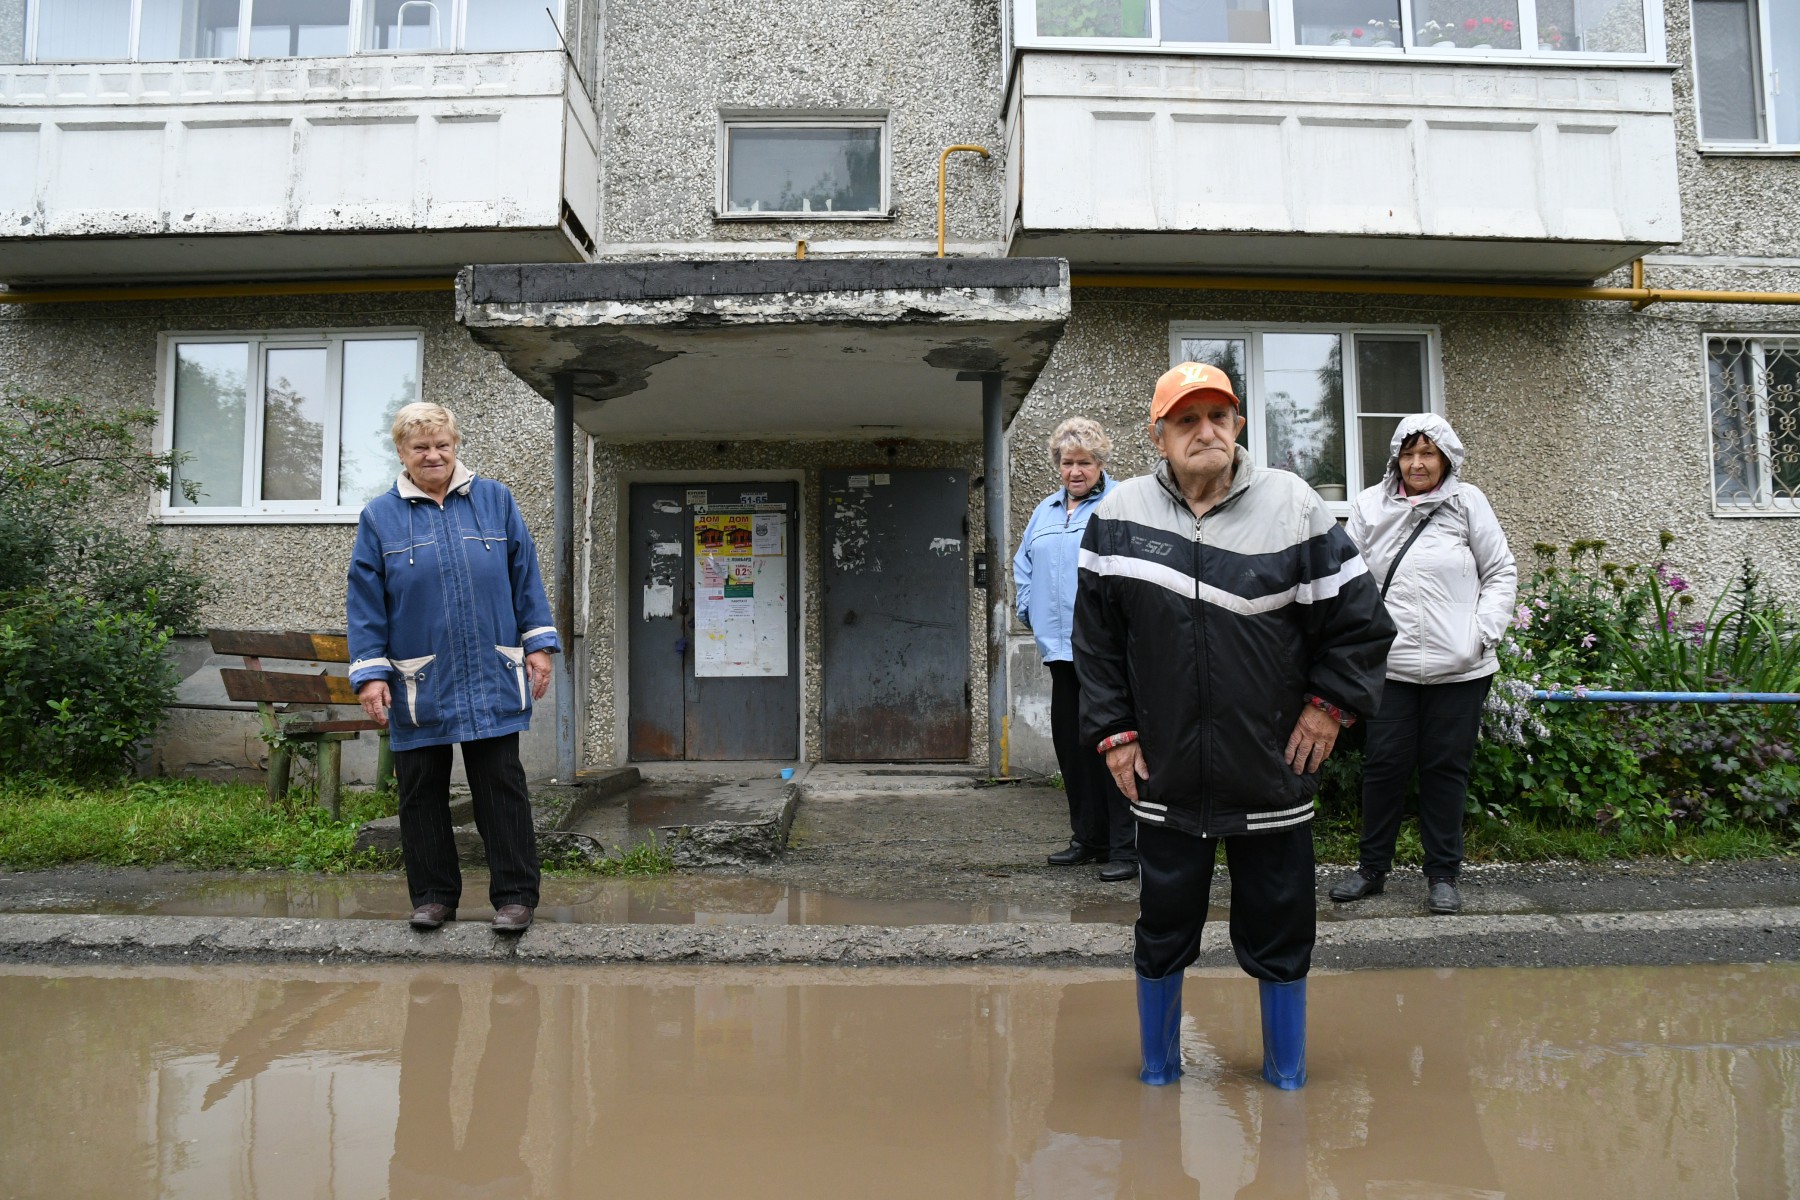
219, 139
1348, 137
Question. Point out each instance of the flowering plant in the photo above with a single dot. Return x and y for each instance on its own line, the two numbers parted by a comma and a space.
1487, 30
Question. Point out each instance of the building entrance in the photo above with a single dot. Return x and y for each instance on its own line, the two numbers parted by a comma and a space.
714, 622
896, 616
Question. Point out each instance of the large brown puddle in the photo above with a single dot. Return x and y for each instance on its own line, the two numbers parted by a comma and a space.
239, 1082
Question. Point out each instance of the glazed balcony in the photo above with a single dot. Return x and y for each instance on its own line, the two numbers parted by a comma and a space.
1266, 144
372, 163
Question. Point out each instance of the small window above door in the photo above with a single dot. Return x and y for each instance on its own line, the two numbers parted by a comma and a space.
813, 168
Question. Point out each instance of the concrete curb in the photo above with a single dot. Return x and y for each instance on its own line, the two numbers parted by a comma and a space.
1694, 935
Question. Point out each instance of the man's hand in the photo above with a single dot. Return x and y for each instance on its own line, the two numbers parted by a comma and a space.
1126, 765
1315, 733
375, 700
537, 664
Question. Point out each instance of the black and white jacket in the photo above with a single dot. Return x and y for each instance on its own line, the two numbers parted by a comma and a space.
1207, 636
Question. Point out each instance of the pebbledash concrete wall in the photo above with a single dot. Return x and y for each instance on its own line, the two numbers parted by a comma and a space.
281, 575
672, 70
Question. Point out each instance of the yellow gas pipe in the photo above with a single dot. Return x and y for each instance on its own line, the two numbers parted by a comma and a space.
942, 159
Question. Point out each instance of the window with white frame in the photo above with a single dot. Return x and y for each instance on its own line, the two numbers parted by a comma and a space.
1747, 72
1321, 401
1753, 387
1590, 28
803, 167
284, 426
177, 30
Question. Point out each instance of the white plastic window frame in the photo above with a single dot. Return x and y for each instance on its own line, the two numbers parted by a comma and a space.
272, 512
1765, 97
1765, 505
1283, 42
808, 119
359, 12
1253, 404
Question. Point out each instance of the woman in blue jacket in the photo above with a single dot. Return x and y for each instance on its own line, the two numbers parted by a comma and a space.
1044, 574
450, 642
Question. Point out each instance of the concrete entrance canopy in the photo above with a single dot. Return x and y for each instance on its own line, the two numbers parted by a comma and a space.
772, 348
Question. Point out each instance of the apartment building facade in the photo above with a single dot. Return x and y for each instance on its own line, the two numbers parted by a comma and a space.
702, 330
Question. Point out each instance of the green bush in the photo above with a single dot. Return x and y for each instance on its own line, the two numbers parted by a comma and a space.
1643, 775
87, 607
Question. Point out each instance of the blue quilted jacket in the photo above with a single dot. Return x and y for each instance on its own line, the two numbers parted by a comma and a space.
444, 604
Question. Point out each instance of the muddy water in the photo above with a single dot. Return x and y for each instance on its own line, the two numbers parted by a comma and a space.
678, 900
445, 1083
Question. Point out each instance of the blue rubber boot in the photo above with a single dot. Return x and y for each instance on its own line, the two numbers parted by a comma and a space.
1159, 1028
1284, 1033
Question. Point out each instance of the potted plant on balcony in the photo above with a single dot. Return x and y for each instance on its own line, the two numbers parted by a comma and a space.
1382, 33
1550, 38
1341, 37
1439, 35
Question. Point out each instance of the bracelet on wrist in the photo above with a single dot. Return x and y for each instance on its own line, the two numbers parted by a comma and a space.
1117, 740
1345, 720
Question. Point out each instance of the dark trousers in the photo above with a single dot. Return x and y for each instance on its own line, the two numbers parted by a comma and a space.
502, 815
1430, 728
1098, 816
1272, 916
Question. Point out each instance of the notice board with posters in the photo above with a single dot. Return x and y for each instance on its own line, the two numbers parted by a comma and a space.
740, 590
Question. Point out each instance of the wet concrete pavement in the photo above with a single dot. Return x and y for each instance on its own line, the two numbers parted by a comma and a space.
444, 1081
894, 864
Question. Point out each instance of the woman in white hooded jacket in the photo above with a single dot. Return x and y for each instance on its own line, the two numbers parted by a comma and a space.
1432, 540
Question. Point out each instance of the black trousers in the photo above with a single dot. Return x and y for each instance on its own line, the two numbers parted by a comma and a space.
1272, 900
1430, 728
502, 815
1098, 816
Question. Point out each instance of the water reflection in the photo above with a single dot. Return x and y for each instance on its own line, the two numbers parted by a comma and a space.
478, 1081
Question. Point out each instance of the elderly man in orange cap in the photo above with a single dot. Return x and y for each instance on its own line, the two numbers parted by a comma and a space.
1225, 630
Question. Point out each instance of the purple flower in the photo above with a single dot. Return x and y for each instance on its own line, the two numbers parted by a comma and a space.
1580, 690
1677, 583
1588, 641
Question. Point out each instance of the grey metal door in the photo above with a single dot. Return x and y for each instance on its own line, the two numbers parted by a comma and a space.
896, 616
687, 702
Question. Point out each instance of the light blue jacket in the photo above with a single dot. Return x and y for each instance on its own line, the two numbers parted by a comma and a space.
1045, 570
444, 604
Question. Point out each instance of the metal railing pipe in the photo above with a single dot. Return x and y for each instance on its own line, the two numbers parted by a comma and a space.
1598, 696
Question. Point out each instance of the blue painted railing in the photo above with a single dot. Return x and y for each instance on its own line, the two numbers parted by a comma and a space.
1595, 695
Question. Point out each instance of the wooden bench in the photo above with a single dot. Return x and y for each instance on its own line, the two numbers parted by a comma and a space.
269, 689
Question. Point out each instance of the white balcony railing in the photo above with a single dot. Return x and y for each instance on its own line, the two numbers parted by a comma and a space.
1232, 163
171, 170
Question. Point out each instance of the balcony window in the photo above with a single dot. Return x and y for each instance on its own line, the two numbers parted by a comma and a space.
1322, 402
175, 30
285, 427
1747, 73
1753, 385
805, 169
1538, 28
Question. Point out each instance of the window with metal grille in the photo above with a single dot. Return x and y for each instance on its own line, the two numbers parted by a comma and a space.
1754, 390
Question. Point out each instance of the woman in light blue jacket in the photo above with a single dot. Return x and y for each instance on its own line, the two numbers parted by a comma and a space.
1044, 575
450, 642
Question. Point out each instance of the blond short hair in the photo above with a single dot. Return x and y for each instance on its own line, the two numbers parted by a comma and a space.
422, 415
1080, 433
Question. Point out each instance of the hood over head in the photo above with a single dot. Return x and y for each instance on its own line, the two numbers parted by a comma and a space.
1433, 427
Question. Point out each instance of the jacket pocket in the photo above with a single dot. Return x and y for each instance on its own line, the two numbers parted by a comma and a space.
416, 691
513, 661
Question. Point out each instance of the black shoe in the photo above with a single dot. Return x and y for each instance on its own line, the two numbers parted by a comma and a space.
1119, 870
1075, 855
1362, 882
1444, 898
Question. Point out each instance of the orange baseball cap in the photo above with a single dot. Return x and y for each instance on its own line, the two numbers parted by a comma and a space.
1180, 382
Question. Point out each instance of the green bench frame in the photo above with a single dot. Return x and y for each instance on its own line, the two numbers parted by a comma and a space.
268, 689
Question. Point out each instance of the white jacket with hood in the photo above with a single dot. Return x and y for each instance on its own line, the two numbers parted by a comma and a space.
1452, 596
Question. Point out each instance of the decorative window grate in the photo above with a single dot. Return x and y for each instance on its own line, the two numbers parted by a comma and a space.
1754, 389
